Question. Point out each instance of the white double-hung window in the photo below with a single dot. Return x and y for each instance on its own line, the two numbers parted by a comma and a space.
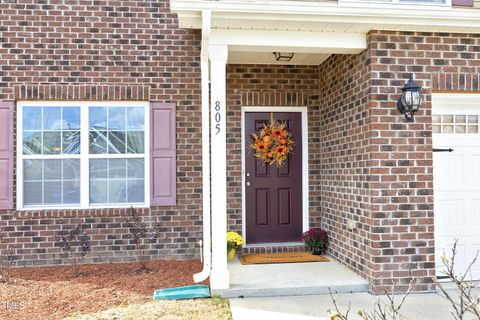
82, 154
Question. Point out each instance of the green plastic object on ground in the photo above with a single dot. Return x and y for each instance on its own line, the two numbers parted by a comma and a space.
187, 292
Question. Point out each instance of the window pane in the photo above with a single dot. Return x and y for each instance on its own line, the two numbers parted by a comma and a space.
32, 193
460, 129
71, 169
117, 192
136, 191
116, 142
98, 142
52, 118
52, 192
52, 169
116, 118
32, 142
460, 119
97, 118
472, 129
32, 118
447, 119
135, 119
32, 170
71, 118
135, 168
117, 181
52, 142
135, 142
49, 122
51, 182
71, 142
117, 168
473, 119
71, 192
98, 191
99, 169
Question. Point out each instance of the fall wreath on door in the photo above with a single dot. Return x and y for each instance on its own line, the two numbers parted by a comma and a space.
272, 144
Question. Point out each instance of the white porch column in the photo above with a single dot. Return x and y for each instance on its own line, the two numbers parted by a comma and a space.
219, 277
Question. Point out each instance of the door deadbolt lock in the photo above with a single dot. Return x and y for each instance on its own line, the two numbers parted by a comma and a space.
248, 174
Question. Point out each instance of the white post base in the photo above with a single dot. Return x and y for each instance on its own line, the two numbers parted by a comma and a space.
219, 279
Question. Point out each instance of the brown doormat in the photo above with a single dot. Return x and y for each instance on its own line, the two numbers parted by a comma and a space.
283, 257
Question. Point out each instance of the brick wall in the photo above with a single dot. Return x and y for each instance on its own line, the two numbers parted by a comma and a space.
106, 50
344, 155
270, 85
402, 183
376, 168
365, 163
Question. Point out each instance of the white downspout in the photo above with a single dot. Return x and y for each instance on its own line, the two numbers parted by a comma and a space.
204, 69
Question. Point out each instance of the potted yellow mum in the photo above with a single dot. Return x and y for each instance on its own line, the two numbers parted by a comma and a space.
234, 240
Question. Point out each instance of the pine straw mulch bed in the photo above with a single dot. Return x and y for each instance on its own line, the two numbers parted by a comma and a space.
52, 292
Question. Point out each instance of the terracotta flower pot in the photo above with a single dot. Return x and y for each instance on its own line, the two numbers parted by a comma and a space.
231, 254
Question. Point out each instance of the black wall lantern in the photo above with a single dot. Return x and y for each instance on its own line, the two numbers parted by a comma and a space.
410, 100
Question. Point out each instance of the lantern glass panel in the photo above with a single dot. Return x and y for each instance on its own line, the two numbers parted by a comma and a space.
416, 100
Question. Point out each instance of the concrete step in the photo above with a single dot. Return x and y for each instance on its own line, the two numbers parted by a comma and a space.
291, 279
244, 292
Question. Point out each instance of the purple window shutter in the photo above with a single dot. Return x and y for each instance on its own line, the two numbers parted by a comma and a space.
463, 3
163, 154
6, 154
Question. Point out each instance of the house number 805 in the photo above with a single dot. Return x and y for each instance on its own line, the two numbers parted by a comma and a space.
217, 116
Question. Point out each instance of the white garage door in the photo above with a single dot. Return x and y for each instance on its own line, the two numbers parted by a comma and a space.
457, 184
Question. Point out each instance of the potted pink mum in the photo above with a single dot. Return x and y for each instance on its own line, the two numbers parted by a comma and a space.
316, 239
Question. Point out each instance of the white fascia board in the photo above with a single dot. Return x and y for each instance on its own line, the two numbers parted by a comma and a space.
297, 41
381, 15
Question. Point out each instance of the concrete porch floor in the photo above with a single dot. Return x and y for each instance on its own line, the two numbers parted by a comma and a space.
290, 279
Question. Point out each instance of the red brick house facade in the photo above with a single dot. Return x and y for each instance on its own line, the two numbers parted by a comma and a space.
365, 163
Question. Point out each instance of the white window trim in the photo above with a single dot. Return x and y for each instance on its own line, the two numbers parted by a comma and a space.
84, 153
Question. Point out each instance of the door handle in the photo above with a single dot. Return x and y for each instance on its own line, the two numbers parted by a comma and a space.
442, 150
248, 183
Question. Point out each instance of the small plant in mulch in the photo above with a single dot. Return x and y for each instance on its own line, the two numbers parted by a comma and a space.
7, 258
75, 244
141, 235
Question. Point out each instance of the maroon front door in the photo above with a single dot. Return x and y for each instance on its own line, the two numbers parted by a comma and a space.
273, 195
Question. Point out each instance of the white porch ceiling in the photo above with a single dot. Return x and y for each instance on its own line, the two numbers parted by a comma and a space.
310, 48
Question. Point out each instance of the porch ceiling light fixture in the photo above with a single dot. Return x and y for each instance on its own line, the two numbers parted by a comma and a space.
410, 99
284, 56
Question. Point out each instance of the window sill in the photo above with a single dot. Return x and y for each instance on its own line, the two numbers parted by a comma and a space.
64, 212
69, 207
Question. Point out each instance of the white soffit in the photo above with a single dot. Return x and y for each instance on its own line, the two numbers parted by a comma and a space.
289, 41
326, 16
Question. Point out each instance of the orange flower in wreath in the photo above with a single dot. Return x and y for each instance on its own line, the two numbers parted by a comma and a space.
278, 133
280, 150
261, 147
